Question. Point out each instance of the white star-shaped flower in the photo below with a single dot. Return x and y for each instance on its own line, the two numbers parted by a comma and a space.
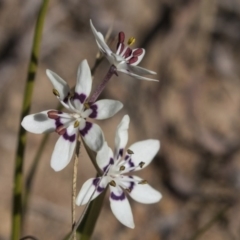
114, 166
125, 59
69, 125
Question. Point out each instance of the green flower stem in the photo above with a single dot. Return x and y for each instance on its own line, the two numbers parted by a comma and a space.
19, 159
87, 225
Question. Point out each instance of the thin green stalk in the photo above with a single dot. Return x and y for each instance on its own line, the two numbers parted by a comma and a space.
33, 170
86, 228
19, 159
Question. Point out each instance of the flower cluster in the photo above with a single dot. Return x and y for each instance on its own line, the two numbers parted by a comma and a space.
75, 123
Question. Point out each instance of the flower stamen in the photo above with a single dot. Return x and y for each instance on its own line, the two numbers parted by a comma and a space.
76, 124
112, 183
129, 151
53, 114
141, 164
61, 130
122, 168
131, 41
55, 92
143, 182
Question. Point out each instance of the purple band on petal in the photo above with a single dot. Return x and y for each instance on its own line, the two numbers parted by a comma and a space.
120, 153
131, 184
69, 138
81, 97
86, 129
111, 161
95, 183
94, 108
126, 157
117, 198
65, 100
58, 122
131, 163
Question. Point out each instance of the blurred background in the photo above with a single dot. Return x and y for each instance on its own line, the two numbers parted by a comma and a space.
194, 111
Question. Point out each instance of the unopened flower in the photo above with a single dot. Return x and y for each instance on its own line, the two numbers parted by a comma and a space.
68, 125
125, 59
114, 166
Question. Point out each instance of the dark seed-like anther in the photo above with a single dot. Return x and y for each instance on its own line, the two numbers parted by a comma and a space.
141, 164
122, 168
55, 92
143, 182
112, 183
121, 37
129, 151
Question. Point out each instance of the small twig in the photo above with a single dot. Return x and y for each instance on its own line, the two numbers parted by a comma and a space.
74, 185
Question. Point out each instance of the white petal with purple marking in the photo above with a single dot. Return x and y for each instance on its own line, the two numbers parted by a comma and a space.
59, 84
120, 206
104, 109
64, 148
83, 85
144, 151
88, 188
104, 157
121, 136
92, 135
144, 193
39, 123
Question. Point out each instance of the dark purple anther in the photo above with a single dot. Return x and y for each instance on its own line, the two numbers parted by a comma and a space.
128, 52
121, 37
137, 52
53, 114
133, 60
61, 130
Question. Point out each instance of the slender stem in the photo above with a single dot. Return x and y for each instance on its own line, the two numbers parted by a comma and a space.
19, 159
74, 186
97, 92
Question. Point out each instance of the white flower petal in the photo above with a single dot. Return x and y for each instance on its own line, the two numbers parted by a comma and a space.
92, 135
59, 84
103, 109
121, 136
88, 188
64, 148
135, 75
140, 71
120, 206
39, 123
83, 85
100, 40
104, 157
144, 151
144, 193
